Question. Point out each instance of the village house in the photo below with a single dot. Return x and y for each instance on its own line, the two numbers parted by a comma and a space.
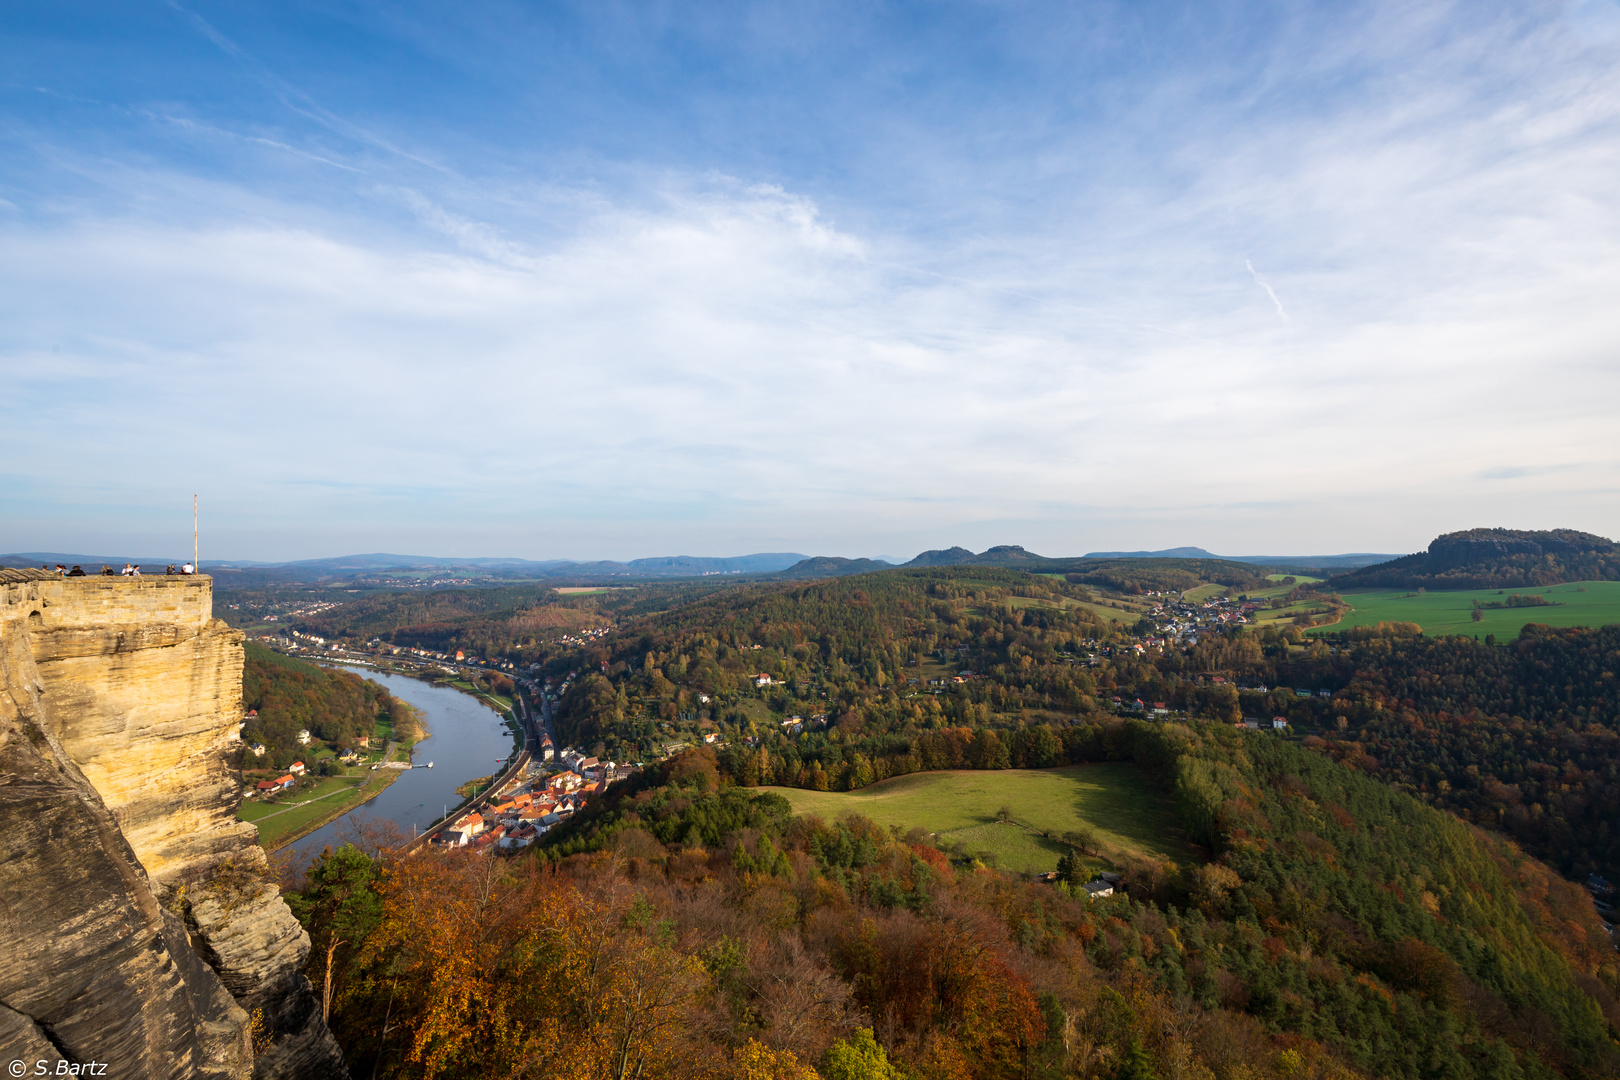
520, 837
297, 768
303, 736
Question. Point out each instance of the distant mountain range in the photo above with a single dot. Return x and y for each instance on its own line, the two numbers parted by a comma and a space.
245, 573
1352, 559
240, 572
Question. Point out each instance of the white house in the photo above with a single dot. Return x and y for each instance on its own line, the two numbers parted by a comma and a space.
303, 736
1098, 888
762, 679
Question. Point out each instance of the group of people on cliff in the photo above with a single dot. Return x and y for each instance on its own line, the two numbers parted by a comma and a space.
129, 570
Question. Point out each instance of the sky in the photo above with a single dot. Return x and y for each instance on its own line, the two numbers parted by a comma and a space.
611, 280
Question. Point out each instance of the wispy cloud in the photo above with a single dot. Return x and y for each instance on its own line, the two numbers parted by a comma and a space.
1264, 284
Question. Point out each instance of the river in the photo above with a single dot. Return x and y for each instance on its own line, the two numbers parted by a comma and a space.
465, 740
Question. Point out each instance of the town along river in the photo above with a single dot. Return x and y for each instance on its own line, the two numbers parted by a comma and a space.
465, 741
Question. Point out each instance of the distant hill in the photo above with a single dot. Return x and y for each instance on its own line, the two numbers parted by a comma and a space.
1001, 555
826, 566
942, 557
1167, 553
1495, 559
1320, 562
1157, 574
91, 563
1128, 574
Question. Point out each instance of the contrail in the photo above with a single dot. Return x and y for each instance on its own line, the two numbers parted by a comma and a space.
1260, 281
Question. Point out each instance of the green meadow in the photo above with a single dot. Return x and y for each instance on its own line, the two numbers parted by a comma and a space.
300, 813
1203, 592
1116, 800
1581, 603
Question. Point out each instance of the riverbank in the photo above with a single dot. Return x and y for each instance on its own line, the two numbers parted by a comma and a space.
286, 822
469, 731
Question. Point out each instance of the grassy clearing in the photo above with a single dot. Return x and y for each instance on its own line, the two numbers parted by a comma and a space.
1582, 603
1279, 589
756, 710
297, 814
500, 702
1113, 614
1128, 814
1204, 592
1278, 617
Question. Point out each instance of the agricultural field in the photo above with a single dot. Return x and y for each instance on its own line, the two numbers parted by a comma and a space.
1116, 800
1581, 603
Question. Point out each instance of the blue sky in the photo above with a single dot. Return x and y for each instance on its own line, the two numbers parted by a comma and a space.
612, 280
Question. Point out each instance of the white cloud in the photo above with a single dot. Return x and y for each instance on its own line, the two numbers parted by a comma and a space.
702, 363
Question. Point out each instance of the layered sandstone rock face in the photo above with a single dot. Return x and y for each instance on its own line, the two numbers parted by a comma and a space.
143, 929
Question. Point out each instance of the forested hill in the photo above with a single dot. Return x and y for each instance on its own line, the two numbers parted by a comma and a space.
847, 648
1136, 576
1129, 574
1494, 559
1339, 918
1524, 739
289, 694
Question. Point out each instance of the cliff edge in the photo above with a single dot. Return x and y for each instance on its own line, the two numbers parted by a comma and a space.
143, 931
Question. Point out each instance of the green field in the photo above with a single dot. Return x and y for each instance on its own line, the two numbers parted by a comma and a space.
282, 820
1581, 603
1128, 814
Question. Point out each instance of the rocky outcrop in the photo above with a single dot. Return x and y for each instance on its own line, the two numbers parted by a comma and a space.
1478, 547
1494, 559
142, 928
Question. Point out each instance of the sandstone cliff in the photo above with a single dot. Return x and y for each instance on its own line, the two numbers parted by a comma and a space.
142, 930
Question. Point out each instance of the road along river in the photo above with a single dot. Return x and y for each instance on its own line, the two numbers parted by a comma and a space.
467, 740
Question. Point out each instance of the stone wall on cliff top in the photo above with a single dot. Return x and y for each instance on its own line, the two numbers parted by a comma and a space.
145, 930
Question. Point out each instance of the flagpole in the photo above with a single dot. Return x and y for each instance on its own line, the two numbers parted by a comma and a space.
196, 565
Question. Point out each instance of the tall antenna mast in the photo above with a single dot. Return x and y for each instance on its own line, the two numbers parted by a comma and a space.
196, 567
